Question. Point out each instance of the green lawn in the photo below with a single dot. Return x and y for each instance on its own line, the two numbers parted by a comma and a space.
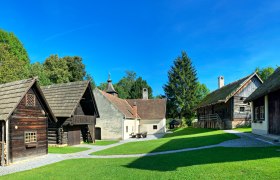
179, 139
104, 142
66, 150
244, 129
214, 163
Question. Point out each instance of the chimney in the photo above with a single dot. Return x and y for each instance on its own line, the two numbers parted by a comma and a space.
145, 93
134, 109
221, 81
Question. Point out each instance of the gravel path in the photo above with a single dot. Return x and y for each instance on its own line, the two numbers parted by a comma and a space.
245, 140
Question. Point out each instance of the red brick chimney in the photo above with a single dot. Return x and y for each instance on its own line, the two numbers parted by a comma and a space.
134, 110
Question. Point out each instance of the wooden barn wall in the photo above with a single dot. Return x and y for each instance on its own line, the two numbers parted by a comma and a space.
249, 87
238, 105
28, 118
274, 112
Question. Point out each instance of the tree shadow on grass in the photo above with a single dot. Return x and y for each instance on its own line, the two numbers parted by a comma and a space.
170, 162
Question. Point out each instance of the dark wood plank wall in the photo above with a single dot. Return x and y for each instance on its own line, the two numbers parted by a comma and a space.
274, 112
28, 118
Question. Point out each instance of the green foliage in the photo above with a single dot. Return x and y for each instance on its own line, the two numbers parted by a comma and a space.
11, 69
181, 88
37, 69
102, 86
264, 73
76, 68
202, 91
123, 87
91, 80
14, 46
57, 69
136, 90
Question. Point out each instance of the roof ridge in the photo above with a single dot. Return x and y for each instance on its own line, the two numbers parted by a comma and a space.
62, 84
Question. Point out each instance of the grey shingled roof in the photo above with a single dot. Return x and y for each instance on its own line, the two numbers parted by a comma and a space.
12, 93
225, 93
270, 85
64, 98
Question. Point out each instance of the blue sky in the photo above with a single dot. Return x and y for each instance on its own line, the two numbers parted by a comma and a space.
222, 37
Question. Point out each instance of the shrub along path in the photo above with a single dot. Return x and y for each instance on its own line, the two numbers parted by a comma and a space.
52, 158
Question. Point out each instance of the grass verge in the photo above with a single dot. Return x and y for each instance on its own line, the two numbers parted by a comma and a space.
66, 150
179, 139
244, 129
213, 163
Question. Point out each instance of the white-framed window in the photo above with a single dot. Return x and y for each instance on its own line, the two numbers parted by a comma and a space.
154, 126
242, 109
262, 112
256, 113
30, 100
30, 136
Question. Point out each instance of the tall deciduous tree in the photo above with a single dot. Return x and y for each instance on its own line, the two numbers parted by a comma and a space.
202, 91
136, 90
76, 68
37, 69
14, 46
11, 69
57, 69
91, 80
123, 87
181, 88
264, 73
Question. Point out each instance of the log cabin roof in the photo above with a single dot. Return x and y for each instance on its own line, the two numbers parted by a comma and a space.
270, 85
223, 94
149, 108
64, 98
12, 93
121, 104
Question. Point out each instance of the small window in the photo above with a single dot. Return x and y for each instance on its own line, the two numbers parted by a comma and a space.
126, 128
256, 113
241, 109
30, 100
154, 126
262, 112
30, 137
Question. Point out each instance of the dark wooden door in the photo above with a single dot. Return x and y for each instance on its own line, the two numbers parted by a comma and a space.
98, 133
274, 113
74, 135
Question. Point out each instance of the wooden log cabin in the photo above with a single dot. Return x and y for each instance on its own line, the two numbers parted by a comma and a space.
265, 102
74, 106
224, 108
24, 117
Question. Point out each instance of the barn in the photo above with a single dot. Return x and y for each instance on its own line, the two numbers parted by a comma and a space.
74, 106
224, 108
265, 102
24, 117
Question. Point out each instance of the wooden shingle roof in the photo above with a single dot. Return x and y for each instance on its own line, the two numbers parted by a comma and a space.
12, 93
226, 92
64, 98
270, 85
149, 108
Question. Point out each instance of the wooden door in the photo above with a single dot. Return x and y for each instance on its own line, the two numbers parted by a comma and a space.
98, 133
274, 113
74, 135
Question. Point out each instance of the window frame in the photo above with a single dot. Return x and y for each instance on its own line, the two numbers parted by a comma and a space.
256, 113
262, 112
26, 100
29, 133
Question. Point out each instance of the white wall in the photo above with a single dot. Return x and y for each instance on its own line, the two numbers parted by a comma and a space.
131, 125
147, 125
261, 128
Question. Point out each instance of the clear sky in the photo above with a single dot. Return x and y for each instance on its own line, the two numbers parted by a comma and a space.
222, 37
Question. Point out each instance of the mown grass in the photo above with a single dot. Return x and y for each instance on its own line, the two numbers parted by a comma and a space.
213, 163
66, 150
244, 129
179, 139
104, 142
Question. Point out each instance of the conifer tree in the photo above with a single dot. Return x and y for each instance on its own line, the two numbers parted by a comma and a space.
181, 87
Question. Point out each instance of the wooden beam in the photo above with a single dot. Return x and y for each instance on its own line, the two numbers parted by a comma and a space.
3, 144
81, 120
7, 142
